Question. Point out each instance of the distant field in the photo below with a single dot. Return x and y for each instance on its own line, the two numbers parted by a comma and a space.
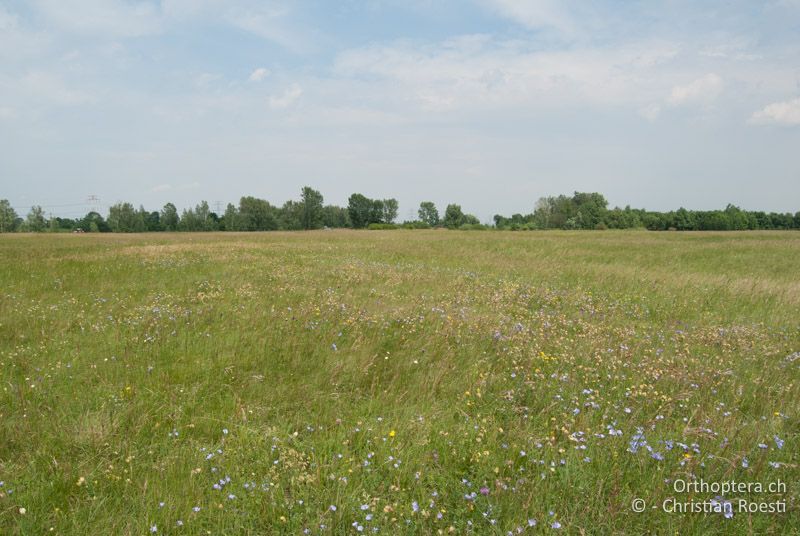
400, 382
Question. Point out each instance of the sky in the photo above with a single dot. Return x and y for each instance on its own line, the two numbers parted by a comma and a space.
490, 104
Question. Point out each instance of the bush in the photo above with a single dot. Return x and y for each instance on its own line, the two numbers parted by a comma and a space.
382, 226
415, 225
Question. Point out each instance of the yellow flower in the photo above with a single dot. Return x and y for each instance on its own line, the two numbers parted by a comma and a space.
391, 434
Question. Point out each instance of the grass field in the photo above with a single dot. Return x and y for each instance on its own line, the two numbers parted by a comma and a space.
397, 382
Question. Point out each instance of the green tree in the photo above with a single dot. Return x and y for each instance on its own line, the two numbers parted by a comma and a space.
453, 216
359, 207
256, 215
35, 221
198, 219
94, 223
8, 217
152, 221
428, 213
291, 216
229, 219
335, 217
376, 214
169, 217
310, 208
390, 208
590, 209
123, 218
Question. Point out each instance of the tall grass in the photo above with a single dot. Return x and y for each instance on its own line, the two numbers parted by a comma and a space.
395, 382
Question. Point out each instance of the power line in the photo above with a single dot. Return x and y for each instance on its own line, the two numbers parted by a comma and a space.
52, 206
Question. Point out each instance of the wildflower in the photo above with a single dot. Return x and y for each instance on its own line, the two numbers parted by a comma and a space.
745, 463
196, 509
531, 522
365, 507
392, 433
225, 431
22, 511
778, 442
555, 525
415, 506
154, 529
332, 508
484, 490
179, 523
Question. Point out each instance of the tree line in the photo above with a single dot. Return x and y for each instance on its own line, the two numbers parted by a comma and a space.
582, 210
590, 211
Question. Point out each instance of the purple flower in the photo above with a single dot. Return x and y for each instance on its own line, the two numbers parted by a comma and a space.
484, 490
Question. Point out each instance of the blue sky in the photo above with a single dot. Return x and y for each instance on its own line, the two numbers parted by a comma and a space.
487, 103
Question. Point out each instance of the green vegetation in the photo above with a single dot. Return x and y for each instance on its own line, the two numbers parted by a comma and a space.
581, 211
406, 382
590, 211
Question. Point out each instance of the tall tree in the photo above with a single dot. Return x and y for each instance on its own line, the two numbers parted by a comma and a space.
94, 223
35, 220
169, 217
453, 216
428, 213
390, 207
335, 217
123, 218
256, 215
310, 208
8, 217
229, 219
360, 209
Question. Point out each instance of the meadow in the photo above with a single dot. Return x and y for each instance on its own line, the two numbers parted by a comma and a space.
397, 382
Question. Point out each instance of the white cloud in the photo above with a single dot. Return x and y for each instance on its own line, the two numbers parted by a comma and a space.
535, 14
259, 74
472, 72
287, 98
650, 112
268, 23
8, 21
161, 188
7, 112
703, 90
103, 17
784, 113
50, 88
